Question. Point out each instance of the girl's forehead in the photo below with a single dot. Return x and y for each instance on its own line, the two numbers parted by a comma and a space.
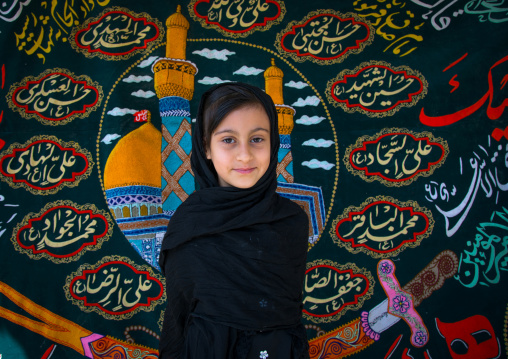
246, 117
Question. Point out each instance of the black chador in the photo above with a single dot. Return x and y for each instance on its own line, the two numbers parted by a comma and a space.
234, 262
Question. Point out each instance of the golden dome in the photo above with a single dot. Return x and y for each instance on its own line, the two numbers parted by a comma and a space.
177, 19
135, 160
273, 71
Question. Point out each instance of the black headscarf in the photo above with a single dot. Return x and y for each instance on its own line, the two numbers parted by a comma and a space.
234, 256
224, 208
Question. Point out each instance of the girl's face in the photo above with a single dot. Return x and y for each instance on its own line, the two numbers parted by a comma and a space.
240, 147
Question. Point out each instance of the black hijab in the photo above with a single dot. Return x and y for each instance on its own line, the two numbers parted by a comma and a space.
232, 256
224, 208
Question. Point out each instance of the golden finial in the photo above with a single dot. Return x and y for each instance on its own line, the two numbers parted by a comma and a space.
273, 71
177, 19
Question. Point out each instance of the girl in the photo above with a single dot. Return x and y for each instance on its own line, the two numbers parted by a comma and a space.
234, 252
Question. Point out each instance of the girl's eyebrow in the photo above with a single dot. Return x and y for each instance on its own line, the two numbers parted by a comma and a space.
235, 132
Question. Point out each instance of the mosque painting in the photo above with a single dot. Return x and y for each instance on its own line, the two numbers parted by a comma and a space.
145, 145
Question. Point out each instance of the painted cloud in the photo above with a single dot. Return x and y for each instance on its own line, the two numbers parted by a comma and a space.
306, 120
148, 62
318, 143
214, 54
211, 80
117, 111
137, 79
109, 138
248, 71
318, 164
143, 94
309, 101
299, 85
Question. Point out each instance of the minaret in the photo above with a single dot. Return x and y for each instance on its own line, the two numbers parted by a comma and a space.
174, 85
273, 87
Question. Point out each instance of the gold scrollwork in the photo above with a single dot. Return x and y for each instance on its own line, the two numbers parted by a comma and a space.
108, 259
369, 138
379, 114
237, 35
62, 184
39, 117
65, 228
339, 268
395, 252
103, 56
321, 60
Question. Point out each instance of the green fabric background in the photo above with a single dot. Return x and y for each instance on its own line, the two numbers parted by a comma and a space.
483, 37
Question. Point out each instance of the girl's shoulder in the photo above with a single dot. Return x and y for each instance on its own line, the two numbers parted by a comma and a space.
290, 203
297, 211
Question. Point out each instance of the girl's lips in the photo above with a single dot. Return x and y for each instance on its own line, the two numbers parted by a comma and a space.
244, 170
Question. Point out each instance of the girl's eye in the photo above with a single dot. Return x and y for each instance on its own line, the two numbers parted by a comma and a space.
228, 140
257, 140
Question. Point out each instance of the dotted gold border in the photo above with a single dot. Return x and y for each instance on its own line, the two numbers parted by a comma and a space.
316, 92
323, 103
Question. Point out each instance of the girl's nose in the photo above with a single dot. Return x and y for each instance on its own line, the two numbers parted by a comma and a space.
244, 153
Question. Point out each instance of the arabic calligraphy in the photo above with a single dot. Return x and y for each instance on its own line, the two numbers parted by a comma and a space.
44, 166
116, 34
496, 79
496, 12
440, 11
474, 333
325, 37
376, 89
382, 227
12, 12
8, 213
56, 97
392, 22
396, 156
487, 255
48, 25
62, 231
489, 164
237, 18
330, 289
142, 116
116, 288
365, 330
